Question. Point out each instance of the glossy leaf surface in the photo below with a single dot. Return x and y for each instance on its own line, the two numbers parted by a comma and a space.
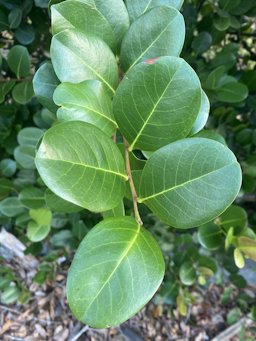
18, 61
202, 116
86, 57
137, 8
190, 182
87, 101
116, 14
82, 17
210, 236
82, 165
45, 82
157, 103
118, 265
159, 32
55, 203
235, 217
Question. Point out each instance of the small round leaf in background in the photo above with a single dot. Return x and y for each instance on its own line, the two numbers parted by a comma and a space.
19, 61
8, 167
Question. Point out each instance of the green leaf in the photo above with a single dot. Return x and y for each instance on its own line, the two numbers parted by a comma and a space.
248, 246
5, 187
159, 32
10, 295
58, 204
235, 217
157, 103
15, 17
238, 281
117, 17
23, 92
3, 21
41, 216
239, 259
221, 23
4, 89
25, 34
232, 92
210, 236
32, 197
44, 83
36, 232
87, 101
7, 167
86, 18
118, 265
91, 176
88, 57
212, 135
202, 42
19, 61
202, 116
117, 211
137, 8
25, 156
187, 273
11, 207
190, 182
214, 77
181, 305
29, 136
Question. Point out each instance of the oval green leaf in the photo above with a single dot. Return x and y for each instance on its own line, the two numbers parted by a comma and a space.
87, 101
19, 61
118, 265
235, 217
29, 136
159, 32
32, 197
190, 182
82, 17
79, 163
203, 115
187, 273
87, 57
117, 17
137, 8
23, 92
45, 82
232, 92
157, 103
210, 236
55, 203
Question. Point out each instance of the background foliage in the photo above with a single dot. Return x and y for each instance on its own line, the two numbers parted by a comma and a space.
220, 46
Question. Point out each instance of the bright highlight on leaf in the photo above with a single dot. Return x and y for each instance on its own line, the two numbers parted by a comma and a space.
116, 270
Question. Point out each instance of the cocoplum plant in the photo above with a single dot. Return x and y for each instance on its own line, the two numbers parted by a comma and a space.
116, 69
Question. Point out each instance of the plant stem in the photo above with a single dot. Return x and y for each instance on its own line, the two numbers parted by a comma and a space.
133, 190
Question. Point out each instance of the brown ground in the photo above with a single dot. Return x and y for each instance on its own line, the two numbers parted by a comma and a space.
47, 317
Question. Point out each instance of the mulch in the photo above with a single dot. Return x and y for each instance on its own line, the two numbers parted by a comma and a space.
46, 315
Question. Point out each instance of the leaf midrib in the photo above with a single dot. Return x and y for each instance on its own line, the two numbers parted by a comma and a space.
91, 109
86, 166
153, 110
123, 256
140, 200
153, 42
89, 67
